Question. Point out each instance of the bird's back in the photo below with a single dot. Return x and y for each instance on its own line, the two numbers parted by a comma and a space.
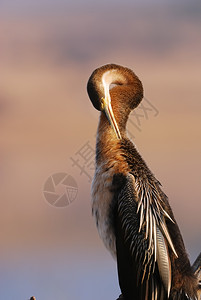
151, 264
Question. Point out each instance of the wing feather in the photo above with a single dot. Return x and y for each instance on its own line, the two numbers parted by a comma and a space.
135, 252
144, 238
163, 261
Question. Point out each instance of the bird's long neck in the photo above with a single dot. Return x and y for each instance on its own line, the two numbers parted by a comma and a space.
108, 147
105, 131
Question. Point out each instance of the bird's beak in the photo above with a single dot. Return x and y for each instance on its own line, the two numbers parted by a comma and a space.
106, 106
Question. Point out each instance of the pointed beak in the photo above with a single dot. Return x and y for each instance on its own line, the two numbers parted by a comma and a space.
106, 106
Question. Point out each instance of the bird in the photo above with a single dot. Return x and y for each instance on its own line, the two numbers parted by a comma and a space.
132, 213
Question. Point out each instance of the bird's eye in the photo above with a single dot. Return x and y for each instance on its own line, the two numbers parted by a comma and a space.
112, 85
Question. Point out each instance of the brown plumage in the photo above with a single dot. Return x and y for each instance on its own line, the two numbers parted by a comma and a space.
132, 213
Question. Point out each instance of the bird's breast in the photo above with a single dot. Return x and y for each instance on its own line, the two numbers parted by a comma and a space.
110, 161
102, 196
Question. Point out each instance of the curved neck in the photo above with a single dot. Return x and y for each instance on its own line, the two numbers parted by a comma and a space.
108, 150
105, 130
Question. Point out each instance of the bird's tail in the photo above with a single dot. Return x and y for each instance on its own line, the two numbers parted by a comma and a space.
197, 271
196, 267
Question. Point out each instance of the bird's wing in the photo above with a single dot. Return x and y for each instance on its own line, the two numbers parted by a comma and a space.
142, 241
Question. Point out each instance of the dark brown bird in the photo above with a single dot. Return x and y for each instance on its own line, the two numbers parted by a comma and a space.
133, 215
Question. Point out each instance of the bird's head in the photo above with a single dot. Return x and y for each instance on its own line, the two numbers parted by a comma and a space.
116, 90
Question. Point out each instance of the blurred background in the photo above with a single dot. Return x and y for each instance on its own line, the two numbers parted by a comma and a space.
48, 49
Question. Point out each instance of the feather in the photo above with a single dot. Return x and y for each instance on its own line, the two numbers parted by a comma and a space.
141, 216
167, 215
147, 218
155, 248
163, 261
150, 229
166, 234
149, 201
